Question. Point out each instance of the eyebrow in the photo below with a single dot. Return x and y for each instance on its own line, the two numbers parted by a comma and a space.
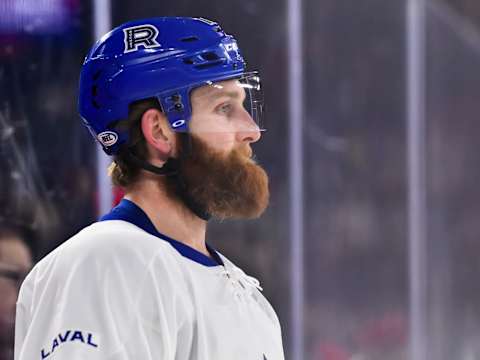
212, 93
222, 93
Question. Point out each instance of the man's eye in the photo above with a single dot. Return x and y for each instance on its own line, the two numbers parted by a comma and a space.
224, 108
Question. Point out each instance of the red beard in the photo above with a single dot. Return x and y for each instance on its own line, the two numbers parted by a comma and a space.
226, 186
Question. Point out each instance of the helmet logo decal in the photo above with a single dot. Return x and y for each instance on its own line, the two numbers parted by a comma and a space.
178, 123
144, 35
231, 47
107, 138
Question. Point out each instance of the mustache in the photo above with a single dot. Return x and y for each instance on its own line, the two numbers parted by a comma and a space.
245, 153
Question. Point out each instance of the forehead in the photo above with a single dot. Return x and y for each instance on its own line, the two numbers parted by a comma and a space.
210, 92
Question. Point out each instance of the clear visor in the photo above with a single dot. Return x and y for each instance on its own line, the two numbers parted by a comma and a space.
234, 105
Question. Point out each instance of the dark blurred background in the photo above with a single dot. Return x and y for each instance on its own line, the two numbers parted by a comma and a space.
355, 144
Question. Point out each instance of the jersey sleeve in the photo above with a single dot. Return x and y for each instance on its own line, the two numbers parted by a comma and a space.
101, 305
22, 315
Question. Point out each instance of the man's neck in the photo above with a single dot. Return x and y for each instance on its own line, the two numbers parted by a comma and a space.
168, 214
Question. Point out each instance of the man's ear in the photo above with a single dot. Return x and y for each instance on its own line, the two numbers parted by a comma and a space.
157, 132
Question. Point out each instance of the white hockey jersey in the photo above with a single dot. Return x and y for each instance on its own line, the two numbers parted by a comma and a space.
119, 290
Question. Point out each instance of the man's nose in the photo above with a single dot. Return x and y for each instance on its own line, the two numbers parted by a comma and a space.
248, 130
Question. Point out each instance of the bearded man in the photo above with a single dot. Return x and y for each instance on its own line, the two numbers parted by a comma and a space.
170, 100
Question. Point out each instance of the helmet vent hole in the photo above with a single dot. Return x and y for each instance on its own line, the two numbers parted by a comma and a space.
188, 61
209, 56
95, 104
96, 75
190, 39
94, 90
209, 64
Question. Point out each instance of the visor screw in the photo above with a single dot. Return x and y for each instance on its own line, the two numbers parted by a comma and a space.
178, 107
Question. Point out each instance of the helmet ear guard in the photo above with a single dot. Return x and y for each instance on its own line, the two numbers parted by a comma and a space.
177, 108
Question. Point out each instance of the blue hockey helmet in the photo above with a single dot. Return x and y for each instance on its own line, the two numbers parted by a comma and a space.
164, 57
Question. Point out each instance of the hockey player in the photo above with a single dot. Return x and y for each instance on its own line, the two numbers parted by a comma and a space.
171, 101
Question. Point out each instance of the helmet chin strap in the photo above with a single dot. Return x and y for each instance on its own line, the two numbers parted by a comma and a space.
172, 169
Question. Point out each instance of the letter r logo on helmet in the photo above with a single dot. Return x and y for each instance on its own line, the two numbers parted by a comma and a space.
145, 35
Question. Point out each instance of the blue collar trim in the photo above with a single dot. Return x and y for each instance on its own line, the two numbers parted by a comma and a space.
128, 211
